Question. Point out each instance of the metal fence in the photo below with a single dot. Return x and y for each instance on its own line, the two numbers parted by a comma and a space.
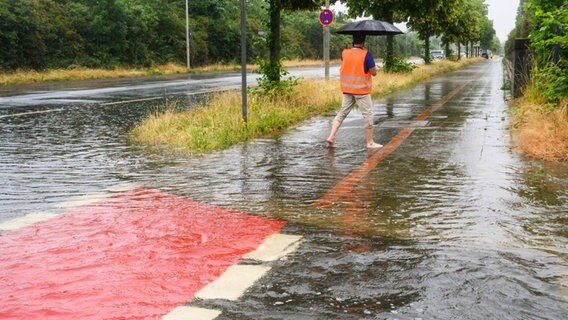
518, 67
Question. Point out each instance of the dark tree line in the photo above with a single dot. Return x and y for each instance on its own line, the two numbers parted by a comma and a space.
45, 34
42, 34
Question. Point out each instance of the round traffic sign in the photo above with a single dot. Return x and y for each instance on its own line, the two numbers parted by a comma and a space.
326, 17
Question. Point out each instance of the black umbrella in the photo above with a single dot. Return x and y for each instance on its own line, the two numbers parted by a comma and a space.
369, 27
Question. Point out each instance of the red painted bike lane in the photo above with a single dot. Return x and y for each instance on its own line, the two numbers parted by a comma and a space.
136, 255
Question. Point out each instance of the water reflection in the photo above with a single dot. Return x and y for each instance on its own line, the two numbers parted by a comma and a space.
452, 224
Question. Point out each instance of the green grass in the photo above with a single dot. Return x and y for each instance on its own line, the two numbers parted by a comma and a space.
218, 124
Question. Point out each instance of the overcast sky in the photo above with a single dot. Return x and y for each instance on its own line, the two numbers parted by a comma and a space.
502, 12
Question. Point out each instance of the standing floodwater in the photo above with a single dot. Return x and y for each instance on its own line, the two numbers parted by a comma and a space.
453, 224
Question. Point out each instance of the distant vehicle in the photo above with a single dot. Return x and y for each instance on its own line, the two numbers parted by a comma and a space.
437, 54
487, 54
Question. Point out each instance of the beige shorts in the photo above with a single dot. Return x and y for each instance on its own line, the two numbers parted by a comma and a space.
363, 101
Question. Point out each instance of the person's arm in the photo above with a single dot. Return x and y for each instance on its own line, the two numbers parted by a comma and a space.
370, 64
373, 71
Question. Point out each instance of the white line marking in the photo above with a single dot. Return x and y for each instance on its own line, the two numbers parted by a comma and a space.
95, 197
191, 313
275, 247
231, 88
33, 218
27, 113
82, 200
233, 282
129, 101
26, 220
122, 187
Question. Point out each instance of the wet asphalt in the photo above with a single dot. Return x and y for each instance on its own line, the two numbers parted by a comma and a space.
452, 224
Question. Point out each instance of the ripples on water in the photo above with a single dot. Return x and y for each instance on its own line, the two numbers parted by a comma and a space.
452, 225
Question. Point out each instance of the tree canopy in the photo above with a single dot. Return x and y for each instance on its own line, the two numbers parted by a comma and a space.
40, 34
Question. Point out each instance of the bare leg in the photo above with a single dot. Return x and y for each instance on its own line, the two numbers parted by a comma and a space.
331, 138
371, 144
346, 106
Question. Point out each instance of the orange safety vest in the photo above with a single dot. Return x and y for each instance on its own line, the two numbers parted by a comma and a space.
352, 76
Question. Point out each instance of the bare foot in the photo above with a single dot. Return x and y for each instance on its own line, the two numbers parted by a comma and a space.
374, 145
330, 143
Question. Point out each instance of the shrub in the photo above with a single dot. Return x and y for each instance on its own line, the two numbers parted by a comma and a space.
399, 65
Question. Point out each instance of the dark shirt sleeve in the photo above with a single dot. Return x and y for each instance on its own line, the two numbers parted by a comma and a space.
369, 62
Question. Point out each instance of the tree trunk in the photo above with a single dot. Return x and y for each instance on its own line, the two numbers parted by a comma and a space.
389, 58
389, 55
427, 56
459, 51
274, 40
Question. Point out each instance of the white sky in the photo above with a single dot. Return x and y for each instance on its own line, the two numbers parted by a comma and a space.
502, 12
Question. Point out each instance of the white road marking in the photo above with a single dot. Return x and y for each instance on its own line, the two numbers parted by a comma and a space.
233, 282
26, 220
275, 247
129, 101
33, 218
223, 89
96, 197
122, 187
83, 200
191, 313
28, 113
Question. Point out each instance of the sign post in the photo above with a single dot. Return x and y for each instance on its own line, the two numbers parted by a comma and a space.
244, 62
187, 33
326, 18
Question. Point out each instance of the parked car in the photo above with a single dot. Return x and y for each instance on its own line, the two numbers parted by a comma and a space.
437, 54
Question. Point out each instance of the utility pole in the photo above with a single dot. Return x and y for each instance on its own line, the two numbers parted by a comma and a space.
244, 61
326, 45
187, 32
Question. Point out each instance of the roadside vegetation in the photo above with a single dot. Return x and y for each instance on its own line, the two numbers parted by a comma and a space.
80, 73
218, 124
539, 131
49, 40
540, 116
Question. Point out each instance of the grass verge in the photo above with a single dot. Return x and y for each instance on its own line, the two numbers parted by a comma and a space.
539, 131
218, 124
80, 73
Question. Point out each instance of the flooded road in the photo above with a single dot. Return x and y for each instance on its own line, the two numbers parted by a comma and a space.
452, 224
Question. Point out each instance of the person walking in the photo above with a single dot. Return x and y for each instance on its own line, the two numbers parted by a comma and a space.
357, 69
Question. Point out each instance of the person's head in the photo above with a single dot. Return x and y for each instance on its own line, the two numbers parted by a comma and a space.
358, 38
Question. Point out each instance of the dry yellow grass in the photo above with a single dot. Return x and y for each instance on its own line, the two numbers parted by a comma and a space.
28, 76
80, 73
219, 125
306, 63
540, 133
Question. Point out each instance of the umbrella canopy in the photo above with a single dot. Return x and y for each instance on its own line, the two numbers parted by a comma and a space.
369, 27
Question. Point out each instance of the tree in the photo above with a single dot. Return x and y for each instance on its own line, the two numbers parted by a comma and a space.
487, 33
424, 19
274, 68
453, 25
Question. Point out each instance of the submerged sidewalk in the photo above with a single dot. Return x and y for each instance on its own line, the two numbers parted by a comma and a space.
444, 222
